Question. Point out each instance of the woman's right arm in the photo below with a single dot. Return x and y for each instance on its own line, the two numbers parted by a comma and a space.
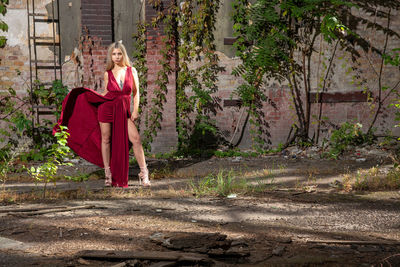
105, 83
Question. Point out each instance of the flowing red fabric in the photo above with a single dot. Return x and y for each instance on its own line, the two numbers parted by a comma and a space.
81, 111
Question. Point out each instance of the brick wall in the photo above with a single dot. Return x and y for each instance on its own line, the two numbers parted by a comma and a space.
14, 60
97, 18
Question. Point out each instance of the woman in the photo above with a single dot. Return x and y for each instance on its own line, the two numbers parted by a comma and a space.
101, 126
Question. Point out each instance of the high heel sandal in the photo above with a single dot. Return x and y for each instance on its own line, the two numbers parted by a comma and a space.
144, 177
107, 174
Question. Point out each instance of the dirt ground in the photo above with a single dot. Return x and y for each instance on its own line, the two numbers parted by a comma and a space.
299, 218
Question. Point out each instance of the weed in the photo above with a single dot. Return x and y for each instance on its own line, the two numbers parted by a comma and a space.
203, 186
228, 182
47, 172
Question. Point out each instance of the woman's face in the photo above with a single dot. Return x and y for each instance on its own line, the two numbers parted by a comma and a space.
116, 56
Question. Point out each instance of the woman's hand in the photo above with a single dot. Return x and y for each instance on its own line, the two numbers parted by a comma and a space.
134, 116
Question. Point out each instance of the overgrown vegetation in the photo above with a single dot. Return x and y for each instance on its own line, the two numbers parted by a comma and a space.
373, 179
47, 172
188, 50
20, 142
17, 116
276, 41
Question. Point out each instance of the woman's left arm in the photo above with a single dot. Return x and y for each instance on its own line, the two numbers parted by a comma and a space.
136, 98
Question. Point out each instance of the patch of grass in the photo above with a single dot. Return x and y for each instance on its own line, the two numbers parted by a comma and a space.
373, 179
228, 182
222, 184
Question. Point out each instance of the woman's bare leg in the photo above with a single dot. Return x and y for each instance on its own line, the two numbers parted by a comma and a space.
105, 129
134, 137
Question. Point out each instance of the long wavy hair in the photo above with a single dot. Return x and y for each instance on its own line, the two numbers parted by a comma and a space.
109, 62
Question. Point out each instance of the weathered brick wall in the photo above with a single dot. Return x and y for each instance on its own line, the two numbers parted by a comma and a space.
97, 34
166, 139
97, 18
94, 55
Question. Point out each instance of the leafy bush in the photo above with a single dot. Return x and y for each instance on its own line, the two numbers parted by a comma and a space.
349, 134
17, 115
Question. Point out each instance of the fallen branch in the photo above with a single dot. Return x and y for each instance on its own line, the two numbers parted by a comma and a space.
30, 213
354, 242
29, 209
112, 255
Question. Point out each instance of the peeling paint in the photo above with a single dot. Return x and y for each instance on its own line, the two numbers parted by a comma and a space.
18, 27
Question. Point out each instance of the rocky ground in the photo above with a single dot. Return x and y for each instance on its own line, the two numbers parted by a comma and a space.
301, 216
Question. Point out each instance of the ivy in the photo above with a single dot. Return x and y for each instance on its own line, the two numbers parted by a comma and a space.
140, 63
167, 18
189, 51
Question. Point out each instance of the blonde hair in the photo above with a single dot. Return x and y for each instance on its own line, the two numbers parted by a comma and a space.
116, 45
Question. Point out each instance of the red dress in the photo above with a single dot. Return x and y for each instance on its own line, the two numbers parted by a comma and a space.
83, 108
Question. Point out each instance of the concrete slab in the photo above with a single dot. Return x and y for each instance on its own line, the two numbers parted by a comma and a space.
6, 243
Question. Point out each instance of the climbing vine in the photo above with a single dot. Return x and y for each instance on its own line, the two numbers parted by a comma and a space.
140, 63
167, 18
197, 48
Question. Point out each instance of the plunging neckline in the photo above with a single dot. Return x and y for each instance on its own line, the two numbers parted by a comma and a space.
115, 79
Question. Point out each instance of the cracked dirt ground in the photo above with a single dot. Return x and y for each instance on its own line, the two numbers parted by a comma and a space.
279, 226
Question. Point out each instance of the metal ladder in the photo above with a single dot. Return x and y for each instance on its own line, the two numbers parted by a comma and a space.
38, 65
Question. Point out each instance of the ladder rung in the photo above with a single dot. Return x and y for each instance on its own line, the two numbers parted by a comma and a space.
42, 61
46, 20
41, 38
37, 14
44, 84
47, 67
46, 112
47, 43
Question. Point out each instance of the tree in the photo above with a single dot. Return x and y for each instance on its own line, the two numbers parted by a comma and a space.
275, 41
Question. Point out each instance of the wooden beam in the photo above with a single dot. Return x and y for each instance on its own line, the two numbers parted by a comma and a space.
232, 103
338, 97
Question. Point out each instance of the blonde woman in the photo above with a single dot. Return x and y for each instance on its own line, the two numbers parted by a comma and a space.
102, 127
